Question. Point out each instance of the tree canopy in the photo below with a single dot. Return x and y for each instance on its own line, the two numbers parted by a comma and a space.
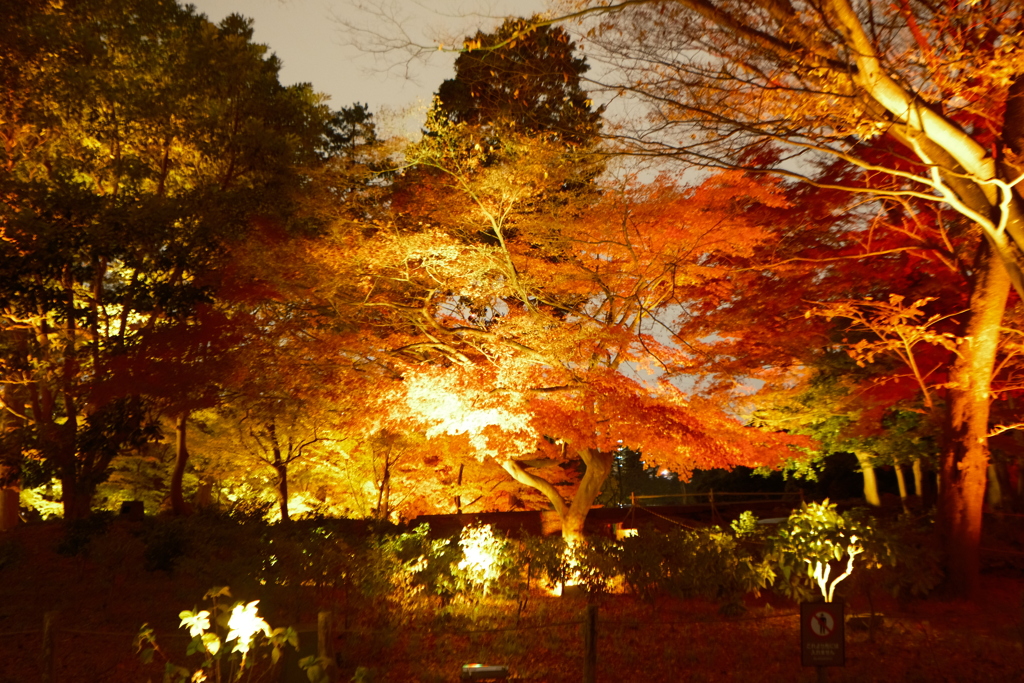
526, 75
779, 87
139, 141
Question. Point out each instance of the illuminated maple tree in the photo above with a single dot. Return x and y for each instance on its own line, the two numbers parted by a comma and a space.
526, 326
827, 79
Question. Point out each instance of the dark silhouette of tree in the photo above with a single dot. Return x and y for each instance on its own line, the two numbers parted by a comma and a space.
527, 77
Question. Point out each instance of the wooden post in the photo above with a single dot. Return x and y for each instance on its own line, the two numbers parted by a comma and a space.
324, 644
10, 497
590, 645
822, 674
48, 664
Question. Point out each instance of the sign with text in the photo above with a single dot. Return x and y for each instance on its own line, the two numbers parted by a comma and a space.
822, 636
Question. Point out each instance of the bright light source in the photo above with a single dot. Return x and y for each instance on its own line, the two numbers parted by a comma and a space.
573, 576
622, 532
480, 550
244, 624
484, 672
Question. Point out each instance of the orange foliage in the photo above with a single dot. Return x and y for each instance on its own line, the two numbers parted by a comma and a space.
503, 303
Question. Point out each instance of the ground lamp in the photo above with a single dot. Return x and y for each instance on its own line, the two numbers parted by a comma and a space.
484, 672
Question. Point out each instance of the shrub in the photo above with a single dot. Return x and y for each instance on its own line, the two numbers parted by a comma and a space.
817, 545
593, 564
487, 563
905, 556
228, 641
812, 543
707, 563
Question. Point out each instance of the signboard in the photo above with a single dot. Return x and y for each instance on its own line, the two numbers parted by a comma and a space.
822, 634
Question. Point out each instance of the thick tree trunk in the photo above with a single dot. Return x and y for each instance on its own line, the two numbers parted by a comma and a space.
76, 497
965, 453
573, 516
599, 466
178, 504
870, 480
518, 472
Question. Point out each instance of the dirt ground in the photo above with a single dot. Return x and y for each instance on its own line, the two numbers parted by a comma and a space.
102, 599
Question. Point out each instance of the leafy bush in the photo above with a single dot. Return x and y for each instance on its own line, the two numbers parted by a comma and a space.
222, 549
592, 564
905, 556
478, 562
388, 576
314, 554
488, 563
812, 543
228, 640
707, 563
817, 545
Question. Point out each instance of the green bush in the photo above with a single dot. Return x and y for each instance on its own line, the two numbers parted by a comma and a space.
477, 563
313, 554
593, 564
899, 554
390, 575
906, 557
706, 563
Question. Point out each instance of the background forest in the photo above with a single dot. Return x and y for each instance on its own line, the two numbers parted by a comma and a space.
803, 242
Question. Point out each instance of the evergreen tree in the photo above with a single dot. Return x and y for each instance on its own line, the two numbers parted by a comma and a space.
525, 75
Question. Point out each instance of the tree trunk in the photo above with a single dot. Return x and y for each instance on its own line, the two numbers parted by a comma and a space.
918, 470
281, 468
204, 494
870, 480
994, 492
11, 427
458, 495
901, 481
599, 466
178, 504
573, 516
965, 453
384, 494
76, 497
